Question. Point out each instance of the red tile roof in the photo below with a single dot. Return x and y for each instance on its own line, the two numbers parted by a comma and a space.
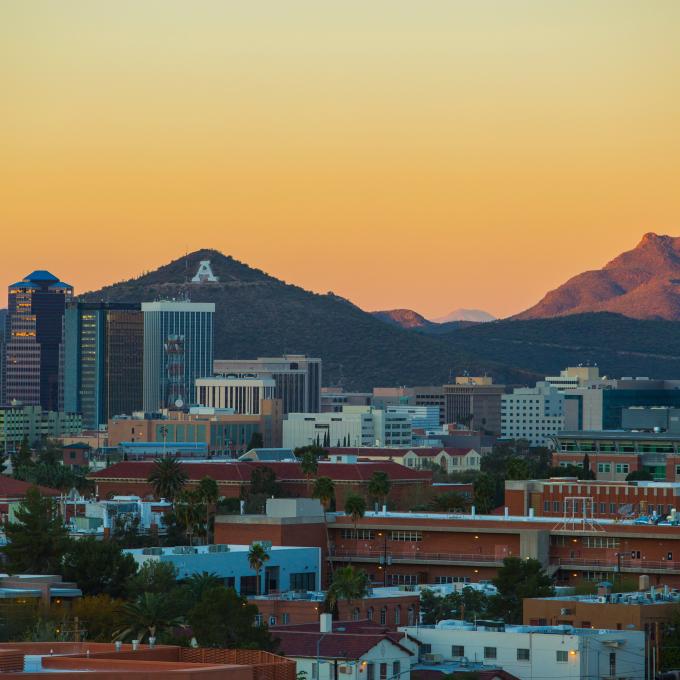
240, 471
426, 451
11, 488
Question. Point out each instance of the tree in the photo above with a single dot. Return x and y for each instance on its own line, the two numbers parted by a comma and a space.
189, 512
257, 556
452, 501
50, 452
263, 481
640, 476
199, 584
484, 493
38, 539
355, 507
209, 493
348, 584
309, 464
379, 486
517, 469
153, 577
167, 478
151, 614
256, 441
324, 490
587, 472
99, 616
98, 567
224, 619
23, 457
518, 579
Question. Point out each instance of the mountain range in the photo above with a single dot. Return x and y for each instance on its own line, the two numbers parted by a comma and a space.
259, 315
458, 318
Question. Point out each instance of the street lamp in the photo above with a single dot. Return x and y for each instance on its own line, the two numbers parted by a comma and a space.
384, 559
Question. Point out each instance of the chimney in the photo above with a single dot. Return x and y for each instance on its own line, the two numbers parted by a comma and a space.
326, 623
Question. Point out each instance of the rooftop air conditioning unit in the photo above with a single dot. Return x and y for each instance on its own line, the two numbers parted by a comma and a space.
218, 548
432, 658
152, 551
565, 612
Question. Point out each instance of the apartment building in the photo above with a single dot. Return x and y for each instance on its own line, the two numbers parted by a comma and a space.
532, 413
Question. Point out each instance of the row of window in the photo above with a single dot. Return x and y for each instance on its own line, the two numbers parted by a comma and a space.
369, 535
458, 651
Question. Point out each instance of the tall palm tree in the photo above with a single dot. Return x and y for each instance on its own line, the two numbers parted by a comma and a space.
209, 493
199, 584
149, 614
379, 486
167, 478
348, 584
324, 490
189, 510
355, 507
257, 556
309, 465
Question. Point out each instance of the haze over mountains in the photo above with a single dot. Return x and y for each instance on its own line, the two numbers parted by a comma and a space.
642, 283
407, 318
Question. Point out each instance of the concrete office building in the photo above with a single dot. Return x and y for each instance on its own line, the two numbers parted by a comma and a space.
242, 395
296, 376
422, 417
354, 426
422, 395
103, 366
474, 402
33, 337
334, 398
532, 413
18, 422
545, 652
178, 349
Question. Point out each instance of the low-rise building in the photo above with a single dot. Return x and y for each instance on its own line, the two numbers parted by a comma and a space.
13, 491
37, 590
416, 457
530, 652
288, 568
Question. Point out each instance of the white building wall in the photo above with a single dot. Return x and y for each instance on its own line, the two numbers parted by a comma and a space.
532, 413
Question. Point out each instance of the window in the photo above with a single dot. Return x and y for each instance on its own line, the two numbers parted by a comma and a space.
285, 618
489, 652
622, 468
303, 581
248, 585
370, 671
272, 620
397, 615
315, 673
677, 469
604, 467
383, 671
258, 619
612, 663
358, 534
562, 656
425, 648
600, 542
383, 616
406, 535
457, 651
396, 669
523, 655
369, 613
355, 614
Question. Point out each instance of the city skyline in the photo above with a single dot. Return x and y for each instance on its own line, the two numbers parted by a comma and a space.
388, 152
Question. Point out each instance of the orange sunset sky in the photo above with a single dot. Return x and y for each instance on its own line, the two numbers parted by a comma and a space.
423, 154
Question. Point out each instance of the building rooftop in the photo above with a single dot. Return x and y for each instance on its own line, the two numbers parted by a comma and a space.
654, 596
14, 488
499, 627
623, 435
205, 549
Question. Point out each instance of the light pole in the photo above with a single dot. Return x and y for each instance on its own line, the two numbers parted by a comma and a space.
384, 560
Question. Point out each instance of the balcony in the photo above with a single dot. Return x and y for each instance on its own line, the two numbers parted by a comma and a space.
627, 565
417, 557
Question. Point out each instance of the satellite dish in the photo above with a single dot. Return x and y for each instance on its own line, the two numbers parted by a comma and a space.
179, 403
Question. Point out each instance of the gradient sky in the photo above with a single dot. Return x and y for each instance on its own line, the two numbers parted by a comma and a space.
423, 154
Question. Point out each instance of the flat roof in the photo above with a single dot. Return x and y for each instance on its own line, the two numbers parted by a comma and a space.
641, 598
184, 550
616, 434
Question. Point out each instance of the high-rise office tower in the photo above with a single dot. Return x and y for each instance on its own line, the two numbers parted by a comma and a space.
33, 338
178, 348
297, 378
103, 360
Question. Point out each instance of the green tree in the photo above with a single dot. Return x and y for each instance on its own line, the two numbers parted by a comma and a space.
38, 539
98, 567
309, 465
50, 452
224, 619
355, 507
324, 490
209, 493
484, 493
167, 478
257, 556
189, 512
199, 584
587, 472
379, 486
99, 616
640, 476
23, 456
517, 468
518, 579
263, 481
452, 501
348, 584
153, 577
150, 615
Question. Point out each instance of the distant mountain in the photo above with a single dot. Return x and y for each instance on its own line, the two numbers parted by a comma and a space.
404, 318
643, 283
461, 314
259, 315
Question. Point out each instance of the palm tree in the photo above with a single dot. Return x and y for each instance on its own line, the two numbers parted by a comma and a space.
199, 584
188, 509
257, 556
450, 502
324, 490
150, 613
209, 493
348, 584
309, 465
167, 478
379, 486
355, 507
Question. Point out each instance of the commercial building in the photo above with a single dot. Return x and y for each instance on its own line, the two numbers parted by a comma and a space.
288, 568
34, 424
574, 377
474, 402
224, 433
103, 365
420, 416
530, 652
33, 337
36, 590
109, 661
178, 349
334, 398
421, 395
297, 378
532, 413
241, 395
354, 426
